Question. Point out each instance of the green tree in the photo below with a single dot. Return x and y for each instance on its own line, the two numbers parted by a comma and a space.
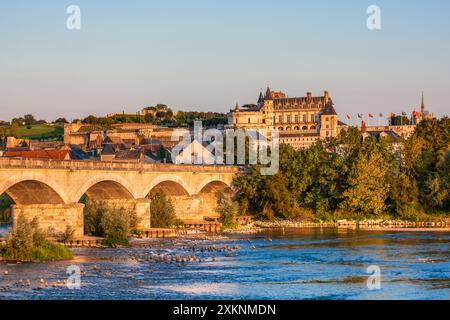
228, 210
114, 223
368, 186
400, 120
61, 120
149, 118
162, 211
29, 120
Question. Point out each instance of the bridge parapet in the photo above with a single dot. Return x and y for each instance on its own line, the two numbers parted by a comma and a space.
112, 166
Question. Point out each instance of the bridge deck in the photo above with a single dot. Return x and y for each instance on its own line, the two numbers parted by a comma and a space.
111, 166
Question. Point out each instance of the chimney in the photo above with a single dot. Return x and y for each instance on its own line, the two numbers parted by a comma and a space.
326, 96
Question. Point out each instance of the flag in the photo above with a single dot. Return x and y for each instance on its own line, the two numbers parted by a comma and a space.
348, 117
360, 115
363, 124
392, 115
370, 115
380, 115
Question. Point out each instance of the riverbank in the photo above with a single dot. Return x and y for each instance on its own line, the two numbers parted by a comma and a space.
365, 225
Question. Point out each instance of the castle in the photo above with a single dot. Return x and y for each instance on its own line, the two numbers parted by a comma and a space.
301, 121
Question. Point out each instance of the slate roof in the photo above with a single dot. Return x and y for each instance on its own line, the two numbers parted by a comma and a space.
108, 149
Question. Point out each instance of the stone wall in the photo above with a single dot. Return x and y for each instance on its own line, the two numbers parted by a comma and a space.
53, 217
195, 207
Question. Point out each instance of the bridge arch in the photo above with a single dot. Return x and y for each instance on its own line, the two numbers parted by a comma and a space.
33, 188
214, 185
171, 184
106, 187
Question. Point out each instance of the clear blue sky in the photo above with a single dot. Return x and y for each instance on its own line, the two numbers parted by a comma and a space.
208, 55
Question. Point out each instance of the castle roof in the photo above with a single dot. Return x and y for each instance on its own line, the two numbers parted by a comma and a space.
329, 109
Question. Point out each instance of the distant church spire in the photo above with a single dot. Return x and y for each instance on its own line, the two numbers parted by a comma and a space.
422, 107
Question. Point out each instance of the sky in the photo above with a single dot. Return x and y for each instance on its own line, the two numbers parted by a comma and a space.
208, 55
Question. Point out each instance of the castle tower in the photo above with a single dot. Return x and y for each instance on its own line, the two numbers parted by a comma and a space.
328, 120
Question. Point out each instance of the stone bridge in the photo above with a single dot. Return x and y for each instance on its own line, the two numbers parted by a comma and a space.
52, 190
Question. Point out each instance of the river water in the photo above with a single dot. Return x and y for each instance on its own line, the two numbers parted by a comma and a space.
289, 264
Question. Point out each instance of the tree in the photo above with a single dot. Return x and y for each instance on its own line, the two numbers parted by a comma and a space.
228, 210
162, 153
61, 120
29, 120
162, 211
149, 118
400, 120
113, 223
368, 187
425, 158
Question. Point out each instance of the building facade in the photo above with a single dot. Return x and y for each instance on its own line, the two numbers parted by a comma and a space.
301, 121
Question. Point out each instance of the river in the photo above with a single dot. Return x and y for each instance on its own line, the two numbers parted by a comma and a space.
290, 264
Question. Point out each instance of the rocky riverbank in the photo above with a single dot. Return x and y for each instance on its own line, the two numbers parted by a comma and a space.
380, 224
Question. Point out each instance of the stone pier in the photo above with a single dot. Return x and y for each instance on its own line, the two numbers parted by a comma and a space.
53, 218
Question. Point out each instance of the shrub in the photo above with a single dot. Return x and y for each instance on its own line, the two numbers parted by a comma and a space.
116, 227
68, 234
27, 242
115, 224
93, 213
228, 210
5, 209
162, 211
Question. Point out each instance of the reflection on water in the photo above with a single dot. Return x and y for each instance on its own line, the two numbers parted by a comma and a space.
295, 264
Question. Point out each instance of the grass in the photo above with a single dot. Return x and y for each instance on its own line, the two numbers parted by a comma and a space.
38, 132
52, 251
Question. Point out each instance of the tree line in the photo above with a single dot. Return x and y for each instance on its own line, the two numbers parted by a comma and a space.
355, 177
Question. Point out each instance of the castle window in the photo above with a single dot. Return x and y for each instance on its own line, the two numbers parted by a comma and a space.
280, 119
313, 118
296, 118
249, 120
305, 118
264, 121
